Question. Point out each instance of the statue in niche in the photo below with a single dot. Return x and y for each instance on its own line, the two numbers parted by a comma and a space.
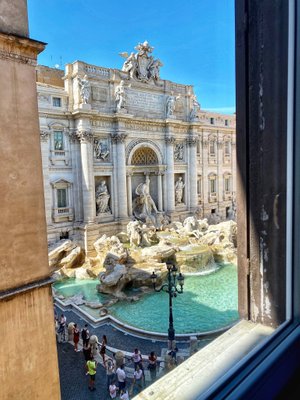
178, 152
100, 150
141, 66
120, 96
144, 207
102, 198
179, 186
170, 104
195, 108
85, 89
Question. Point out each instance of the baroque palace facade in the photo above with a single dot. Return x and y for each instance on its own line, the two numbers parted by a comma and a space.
105, 131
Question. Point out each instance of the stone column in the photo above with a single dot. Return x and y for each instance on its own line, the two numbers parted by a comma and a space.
192, 143
119, 140
45, 136
220, 177
77, 177
88, 185
159, 191
129, 193
233, 167
170, 173
205, 175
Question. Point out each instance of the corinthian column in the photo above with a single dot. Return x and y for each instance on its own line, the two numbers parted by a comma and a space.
119, 140
170, 173
88, 185
129, 193
192, 143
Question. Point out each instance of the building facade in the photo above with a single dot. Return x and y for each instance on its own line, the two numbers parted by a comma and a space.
104, 131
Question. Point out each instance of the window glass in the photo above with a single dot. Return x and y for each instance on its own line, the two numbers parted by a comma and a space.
58, 140
56, 101
61, 198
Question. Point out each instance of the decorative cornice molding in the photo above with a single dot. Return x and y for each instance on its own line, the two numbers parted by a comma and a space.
4, 55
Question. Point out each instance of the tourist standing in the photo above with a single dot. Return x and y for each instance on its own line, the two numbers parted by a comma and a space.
87, 350
103, 349
110, 372
113, 390
91, 366
76, 333
62, 328
137, 380
85, 334
121, 375
152, 360
137, 359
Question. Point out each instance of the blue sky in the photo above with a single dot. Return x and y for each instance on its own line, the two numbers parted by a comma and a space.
193, 38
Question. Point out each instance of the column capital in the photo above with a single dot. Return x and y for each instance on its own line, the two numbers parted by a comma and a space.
73, 135
118, 137
192, 140
44, 135
84, 136
169, 139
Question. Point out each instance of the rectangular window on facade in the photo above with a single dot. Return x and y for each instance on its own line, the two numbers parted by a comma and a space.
58, 140
226, 122
212, 186
61, 198
227, 148
212, 148
56, 101
199, 186
212, 121
227, 184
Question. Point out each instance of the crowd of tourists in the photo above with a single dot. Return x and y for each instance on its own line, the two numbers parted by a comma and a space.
118, 385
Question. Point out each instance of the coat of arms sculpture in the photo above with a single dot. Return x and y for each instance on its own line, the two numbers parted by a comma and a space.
142, 66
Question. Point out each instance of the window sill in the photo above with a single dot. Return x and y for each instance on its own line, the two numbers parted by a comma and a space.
196, 375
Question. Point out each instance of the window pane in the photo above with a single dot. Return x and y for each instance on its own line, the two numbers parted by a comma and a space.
58, 140
56, 101
61, 198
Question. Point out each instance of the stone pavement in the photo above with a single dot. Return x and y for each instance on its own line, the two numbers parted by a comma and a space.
73, 379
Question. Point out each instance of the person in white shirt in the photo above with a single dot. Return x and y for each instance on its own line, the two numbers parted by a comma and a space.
113, 390
121, 377
137, 380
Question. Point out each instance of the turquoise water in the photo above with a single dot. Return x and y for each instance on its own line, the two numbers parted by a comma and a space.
208, 302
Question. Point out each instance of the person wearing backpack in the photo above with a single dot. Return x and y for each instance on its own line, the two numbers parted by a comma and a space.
85, 335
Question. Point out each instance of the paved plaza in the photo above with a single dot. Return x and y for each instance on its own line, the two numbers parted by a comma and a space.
73, 379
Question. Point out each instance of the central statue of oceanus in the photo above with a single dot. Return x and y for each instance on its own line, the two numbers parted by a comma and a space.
144, 207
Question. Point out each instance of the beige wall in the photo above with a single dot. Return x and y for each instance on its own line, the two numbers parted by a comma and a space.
23, 245
14, 18
50, 76
28, 360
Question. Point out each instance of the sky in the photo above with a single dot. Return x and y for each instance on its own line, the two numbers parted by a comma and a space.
194, 39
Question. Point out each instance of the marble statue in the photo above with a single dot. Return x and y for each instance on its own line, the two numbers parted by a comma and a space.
120, 96
195, 108
85, 89
100, 150
170, 104
102, 198
141, 66
130, 65
144, 207
134, 233
178, 152
179, 186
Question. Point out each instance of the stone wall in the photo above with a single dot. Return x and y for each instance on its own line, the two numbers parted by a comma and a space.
28, 362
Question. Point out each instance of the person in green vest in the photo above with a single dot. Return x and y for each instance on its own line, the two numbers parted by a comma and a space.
91, 366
